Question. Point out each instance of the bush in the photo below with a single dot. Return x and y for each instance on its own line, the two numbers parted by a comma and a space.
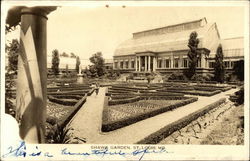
238, 97
177, 76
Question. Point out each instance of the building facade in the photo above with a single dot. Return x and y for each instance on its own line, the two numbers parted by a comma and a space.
165, 49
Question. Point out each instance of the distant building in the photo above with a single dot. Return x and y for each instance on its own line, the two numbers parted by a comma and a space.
165, 49
66, 61
108, 64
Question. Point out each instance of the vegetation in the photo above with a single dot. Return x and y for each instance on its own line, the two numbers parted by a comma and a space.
115, 117
193, 54
55, 62
239, 70
219, 71
64, 54
97, 69
72, 55
238, 97
13, 51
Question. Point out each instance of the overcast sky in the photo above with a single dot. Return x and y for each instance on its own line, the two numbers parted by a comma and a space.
85, 31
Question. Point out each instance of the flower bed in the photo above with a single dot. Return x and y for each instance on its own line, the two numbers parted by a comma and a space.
58, 117
177, 125
122, 115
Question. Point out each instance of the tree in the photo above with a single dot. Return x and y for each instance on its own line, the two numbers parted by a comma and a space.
55, 61
238, 69
64, 54
98, 62
13, 51
193, 54
77, 64
219, 70
72, 55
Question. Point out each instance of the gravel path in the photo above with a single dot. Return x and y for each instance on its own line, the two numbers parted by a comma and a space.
87, 122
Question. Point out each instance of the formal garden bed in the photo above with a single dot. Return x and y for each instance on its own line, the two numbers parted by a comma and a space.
118, 116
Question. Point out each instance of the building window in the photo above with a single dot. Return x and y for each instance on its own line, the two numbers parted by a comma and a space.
227, 64
211, 64
121, 65
167, 63
132, 64
185, 63
116, 65
198, 63
159, 63
176, 63
126, 64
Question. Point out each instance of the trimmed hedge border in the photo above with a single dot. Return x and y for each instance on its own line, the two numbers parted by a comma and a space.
123, 101
69, 92
67, 96
106, 127
62, 102
197, 93
179, 124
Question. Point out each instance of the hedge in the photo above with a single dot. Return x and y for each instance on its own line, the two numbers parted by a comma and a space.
123, 101
62, 102
164, 132
199, 93
69, 92
67, 96
67, 89
113, 125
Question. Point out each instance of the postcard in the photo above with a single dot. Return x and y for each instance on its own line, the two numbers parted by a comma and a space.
125, 80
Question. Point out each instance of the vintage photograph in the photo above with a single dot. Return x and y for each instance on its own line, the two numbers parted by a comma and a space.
126, 74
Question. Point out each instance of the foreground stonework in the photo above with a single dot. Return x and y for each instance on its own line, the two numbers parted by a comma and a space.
198, 130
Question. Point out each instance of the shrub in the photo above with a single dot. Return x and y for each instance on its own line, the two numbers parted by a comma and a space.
177, 76
238, 97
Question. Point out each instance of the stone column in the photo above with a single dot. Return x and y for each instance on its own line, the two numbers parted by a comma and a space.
172, 60
80, 69
154, 63
135, 63
146, 65
31, 97
203, 60
139, 63
149, 63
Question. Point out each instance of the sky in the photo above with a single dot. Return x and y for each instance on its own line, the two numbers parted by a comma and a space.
87, 30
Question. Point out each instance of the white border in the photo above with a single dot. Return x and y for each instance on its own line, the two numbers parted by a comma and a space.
181, 152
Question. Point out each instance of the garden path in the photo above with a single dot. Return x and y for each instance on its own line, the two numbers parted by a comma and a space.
87, 122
